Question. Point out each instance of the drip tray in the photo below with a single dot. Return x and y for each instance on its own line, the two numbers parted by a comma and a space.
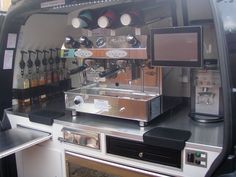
112, 102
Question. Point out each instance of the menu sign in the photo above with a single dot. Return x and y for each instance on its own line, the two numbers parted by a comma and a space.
8, 59
52, 3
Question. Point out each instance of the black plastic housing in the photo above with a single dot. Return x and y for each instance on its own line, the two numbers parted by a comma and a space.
143, 151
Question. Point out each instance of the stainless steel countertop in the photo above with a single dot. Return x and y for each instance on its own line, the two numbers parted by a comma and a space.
210, 135
14, 140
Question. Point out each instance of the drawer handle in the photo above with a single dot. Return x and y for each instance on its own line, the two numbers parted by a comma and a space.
140, 154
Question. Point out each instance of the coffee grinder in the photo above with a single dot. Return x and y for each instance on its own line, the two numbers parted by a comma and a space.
206, 100
206, 90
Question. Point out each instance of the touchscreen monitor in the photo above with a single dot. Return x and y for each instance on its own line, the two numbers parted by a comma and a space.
177, 46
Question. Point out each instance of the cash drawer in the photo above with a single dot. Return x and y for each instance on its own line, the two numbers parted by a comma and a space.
142, 151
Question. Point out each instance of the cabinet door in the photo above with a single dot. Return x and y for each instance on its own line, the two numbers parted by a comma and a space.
18, 139
41, 161
83, 166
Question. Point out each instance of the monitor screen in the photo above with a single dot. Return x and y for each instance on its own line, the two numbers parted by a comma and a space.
179, 46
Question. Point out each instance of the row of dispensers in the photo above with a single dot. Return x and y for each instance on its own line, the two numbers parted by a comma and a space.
41, 68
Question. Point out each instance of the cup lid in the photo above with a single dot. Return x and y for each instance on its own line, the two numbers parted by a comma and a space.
78, 23
125, 19
103, 22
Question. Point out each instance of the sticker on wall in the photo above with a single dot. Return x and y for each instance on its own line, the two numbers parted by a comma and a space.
11, 40
8, 58
68, 53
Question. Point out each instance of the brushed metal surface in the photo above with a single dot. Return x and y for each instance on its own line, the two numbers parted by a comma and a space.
109, 168
204, 136
82, 138
119, 103
14, 140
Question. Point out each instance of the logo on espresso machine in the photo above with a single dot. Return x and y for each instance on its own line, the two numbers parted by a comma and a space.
116, 53
83, 53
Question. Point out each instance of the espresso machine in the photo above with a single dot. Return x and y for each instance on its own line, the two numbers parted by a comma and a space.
117, 79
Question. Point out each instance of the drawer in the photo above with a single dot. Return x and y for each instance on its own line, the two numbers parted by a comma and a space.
81, 138
144, 152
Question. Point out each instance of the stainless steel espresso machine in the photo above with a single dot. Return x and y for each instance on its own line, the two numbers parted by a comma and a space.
117, 79
114, 66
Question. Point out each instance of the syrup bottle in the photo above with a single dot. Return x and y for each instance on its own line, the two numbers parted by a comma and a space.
30, 64
64, 70
43, 75
22, 62
57, 61
51, 62
61, 63
38, 62
23, 80
48, 76
32, 76
40, 75
44, 60
45, 64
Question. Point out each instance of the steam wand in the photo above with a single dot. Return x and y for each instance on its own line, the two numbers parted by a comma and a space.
109, 72
142, 66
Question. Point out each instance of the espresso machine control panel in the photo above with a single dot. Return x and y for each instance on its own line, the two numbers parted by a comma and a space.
110, 47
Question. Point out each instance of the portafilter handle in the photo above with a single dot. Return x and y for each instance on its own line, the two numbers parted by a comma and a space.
78, 69
109, 72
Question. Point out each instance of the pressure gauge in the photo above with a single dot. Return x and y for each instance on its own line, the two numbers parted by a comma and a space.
100, 42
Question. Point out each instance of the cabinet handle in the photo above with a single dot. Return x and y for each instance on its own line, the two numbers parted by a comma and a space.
140, 154
62, 140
